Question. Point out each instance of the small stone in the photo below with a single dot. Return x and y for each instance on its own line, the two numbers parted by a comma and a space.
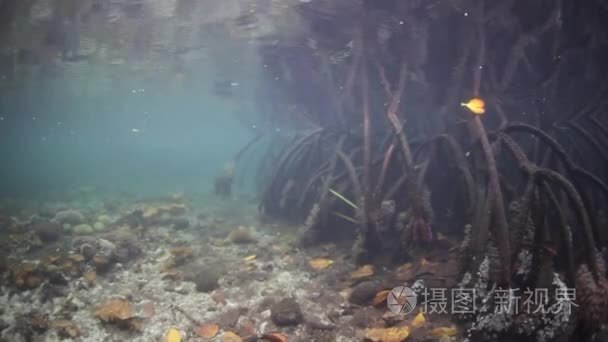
147, 310
48, 231
105, 220
73, 217
229, 318
241, 235
245, 326
286, 312
318, 323
181, 290
83, 229
101, 263
127, 250
364, 292
88, 251
105, 248
219, 297
205, 278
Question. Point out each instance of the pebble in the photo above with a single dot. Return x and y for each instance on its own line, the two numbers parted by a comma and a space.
286, 312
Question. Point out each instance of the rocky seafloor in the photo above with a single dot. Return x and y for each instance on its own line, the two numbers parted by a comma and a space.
175, 268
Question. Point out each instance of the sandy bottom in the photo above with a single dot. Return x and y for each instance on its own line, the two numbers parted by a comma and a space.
206, 270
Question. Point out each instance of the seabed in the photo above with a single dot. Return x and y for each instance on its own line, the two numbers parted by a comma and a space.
193, 269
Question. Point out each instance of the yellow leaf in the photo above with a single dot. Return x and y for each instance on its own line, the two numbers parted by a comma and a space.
380, 298
249, 258
443, 331
229, 336
475, 105
208, 330
363, 272
418, 321
173, 335
387, 334
320, 263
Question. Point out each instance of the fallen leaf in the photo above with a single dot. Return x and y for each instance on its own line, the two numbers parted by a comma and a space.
387, 334
320, 263
229, 336
363, 272
115, 309
208, 330
443, 331
249, 258
380, 298
173, 335
274, 337
419, 320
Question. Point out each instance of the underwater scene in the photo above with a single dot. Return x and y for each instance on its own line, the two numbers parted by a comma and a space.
303, 170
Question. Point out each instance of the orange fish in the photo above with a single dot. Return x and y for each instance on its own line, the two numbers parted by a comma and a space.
475, 105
